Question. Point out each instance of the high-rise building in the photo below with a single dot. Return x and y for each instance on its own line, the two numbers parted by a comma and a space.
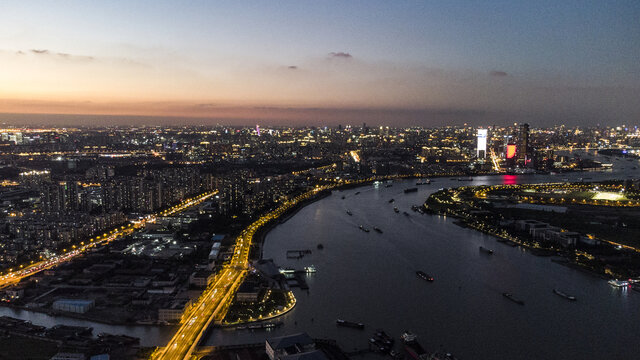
481, 150
61, 197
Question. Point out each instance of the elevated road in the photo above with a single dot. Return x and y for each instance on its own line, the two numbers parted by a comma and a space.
15, 276
214, 302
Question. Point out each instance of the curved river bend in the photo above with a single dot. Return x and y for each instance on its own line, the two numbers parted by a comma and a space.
370, 277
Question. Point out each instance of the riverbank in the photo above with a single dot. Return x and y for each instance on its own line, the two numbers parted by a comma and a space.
564, 261
483, 208
465, 279
43, 340
71, 315
264, 319
261, 234
508, 239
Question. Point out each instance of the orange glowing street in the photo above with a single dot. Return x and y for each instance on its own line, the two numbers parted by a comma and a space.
16, 275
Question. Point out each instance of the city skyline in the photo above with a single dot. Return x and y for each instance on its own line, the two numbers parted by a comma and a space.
319, 180
416, 63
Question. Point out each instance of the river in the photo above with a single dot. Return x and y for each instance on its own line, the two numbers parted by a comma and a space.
370, 277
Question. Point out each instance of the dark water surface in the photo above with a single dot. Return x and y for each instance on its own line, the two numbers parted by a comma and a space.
370, 278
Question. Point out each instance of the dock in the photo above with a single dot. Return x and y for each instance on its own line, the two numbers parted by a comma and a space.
297, 279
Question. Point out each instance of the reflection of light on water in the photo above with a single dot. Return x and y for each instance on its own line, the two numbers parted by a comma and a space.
620, 291
509, 179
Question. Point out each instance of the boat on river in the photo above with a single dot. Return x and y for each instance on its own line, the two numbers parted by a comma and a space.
512, 298
486, 251
413, 347
562, 294
351, 324
618, 283
424, 276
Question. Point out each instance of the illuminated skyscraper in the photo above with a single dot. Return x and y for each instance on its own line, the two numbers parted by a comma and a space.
481, 150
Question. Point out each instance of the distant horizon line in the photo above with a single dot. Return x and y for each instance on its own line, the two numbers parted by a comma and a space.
400, 119
53, 119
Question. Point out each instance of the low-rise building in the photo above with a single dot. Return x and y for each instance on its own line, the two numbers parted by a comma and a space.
174, 311
79, 306
248, 292
201, 278
292, 347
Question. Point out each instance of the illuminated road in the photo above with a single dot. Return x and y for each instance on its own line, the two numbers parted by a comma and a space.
14, 276
214, 302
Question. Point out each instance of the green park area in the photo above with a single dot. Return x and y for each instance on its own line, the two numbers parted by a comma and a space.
270, 303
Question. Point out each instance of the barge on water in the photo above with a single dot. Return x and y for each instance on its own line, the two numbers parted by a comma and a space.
413, 347
424, 276
351, 324
515, 300
564, 295
486, 251
618, 283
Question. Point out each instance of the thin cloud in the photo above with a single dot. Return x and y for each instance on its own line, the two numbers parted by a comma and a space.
74, 57
498, 73
60, 55
206, 105
343, 55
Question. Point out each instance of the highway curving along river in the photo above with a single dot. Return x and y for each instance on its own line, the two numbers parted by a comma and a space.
371, 278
